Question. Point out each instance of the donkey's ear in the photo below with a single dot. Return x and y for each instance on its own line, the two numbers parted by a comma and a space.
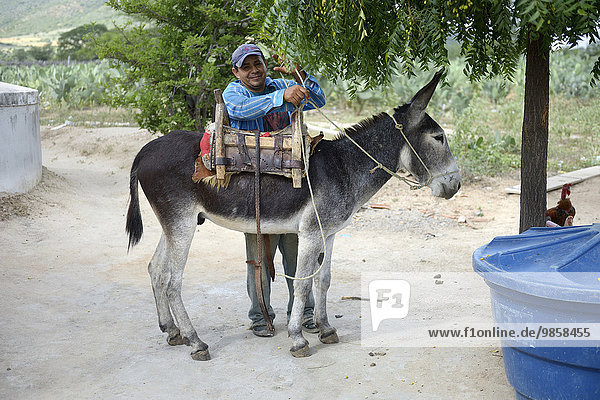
419, 102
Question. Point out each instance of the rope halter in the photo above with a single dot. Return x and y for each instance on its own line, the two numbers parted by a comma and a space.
412, 184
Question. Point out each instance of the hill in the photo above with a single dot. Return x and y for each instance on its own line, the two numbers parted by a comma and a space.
48, 18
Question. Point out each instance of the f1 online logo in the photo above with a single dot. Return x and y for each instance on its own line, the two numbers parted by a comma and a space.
388, 299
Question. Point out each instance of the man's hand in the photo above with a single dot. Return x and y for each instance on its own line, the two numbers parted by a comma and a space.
297, 73
295, 94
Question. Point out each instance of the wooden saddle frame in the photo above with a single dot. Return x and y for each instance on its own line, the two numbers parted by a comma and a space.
280, 154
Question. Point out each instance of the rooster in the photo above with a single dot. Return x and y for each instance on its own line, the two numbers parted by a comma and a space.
564, 212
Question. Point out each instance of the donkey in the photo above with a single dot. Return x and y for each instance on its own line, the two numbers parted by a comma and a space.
342, 178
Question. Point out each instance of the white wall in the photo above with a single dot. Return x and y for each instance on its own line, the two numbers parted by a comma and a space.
20, 142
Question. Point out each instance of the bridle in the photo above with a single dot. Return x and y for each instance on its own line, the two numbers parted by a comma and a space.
412, 184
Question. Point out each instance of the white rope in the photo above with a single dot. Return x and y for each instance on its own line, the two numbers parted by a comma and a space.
312, 196
414, 185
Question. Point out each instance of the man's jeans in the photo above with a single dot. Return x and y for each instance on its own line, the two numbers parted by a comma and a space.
288, 246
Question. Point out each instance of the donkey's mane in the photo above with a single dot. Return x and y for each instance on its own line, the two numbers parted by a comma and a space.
362, 125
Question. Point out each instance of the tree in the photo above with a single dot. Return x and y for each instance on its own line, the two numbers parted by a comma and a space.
370, 40
34, 53
176, 54
75, 43
21, 55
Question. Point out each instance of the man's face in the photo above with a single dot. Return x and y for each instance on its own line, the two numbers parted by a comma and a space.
252, 73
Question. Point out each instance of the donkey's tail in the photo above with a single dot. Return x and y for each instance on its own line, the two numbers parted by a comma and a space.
134, 226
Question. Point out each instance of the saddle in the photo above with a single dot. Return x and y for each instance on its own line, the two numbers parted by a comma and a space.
234, 150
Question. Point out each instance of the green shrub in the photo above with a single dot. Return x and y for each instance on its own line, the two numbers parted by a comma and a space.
482, 149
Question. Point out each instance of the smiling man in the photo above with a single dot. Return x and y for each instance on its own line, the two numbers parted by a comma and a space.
253, 98
256, 102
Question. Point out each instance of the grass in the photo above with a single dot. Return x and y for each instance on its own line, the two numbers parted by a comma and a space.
574, 134
488, 136
93, 117
486, 139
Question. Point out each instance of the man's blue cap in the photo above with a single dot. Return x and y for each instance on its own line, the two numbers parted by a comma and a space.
245, 50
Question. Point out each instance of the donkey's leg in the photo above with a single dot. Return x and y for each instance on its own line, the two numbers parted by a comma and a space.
327, 333
178, 242
309, 247
160, 276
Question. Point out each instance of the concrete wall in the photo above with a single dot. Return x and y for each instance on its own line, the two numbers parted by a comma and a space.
20, 142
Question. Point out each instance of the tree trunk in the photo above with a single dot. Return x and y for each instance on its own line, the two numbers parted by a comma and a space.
534, 144
197, 112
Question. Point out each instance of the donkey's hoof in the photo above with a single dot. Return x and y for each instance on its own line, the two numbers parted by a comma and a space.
301, 352
201, 355
329, 337
175, 340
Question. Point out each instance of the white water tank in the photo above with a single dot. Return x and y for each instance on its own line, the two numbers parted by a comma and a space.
20, 142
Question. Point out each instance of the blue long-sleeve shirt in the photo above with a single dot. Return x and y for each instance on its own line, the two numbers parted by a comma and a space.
266, 111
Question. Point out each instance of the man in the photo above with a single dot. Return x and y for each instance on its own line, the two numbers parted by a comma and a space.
257, 102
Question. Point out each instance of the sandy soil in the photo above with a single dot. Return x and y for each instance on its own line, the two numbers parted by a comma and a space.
79, 313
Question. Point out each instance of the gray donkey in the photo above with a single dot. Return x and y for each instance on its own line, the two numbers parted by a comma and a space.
343, 178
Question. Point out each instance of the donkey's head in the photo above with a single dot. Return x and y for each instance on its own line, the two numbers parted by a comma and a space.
425, 153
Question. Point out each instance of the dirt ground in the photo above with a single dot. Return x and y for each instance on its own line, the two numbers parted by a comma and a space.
80, 319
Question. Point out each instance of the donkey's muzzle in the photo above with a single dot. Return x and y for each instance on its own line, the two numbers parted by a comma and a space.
446, 186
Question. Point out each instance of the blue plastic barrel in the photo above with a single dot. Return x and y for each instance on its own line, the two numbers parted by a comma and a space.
547, 275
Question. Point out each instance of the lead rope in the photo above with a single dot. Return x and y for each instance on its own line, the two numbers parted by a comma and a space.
258, 265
